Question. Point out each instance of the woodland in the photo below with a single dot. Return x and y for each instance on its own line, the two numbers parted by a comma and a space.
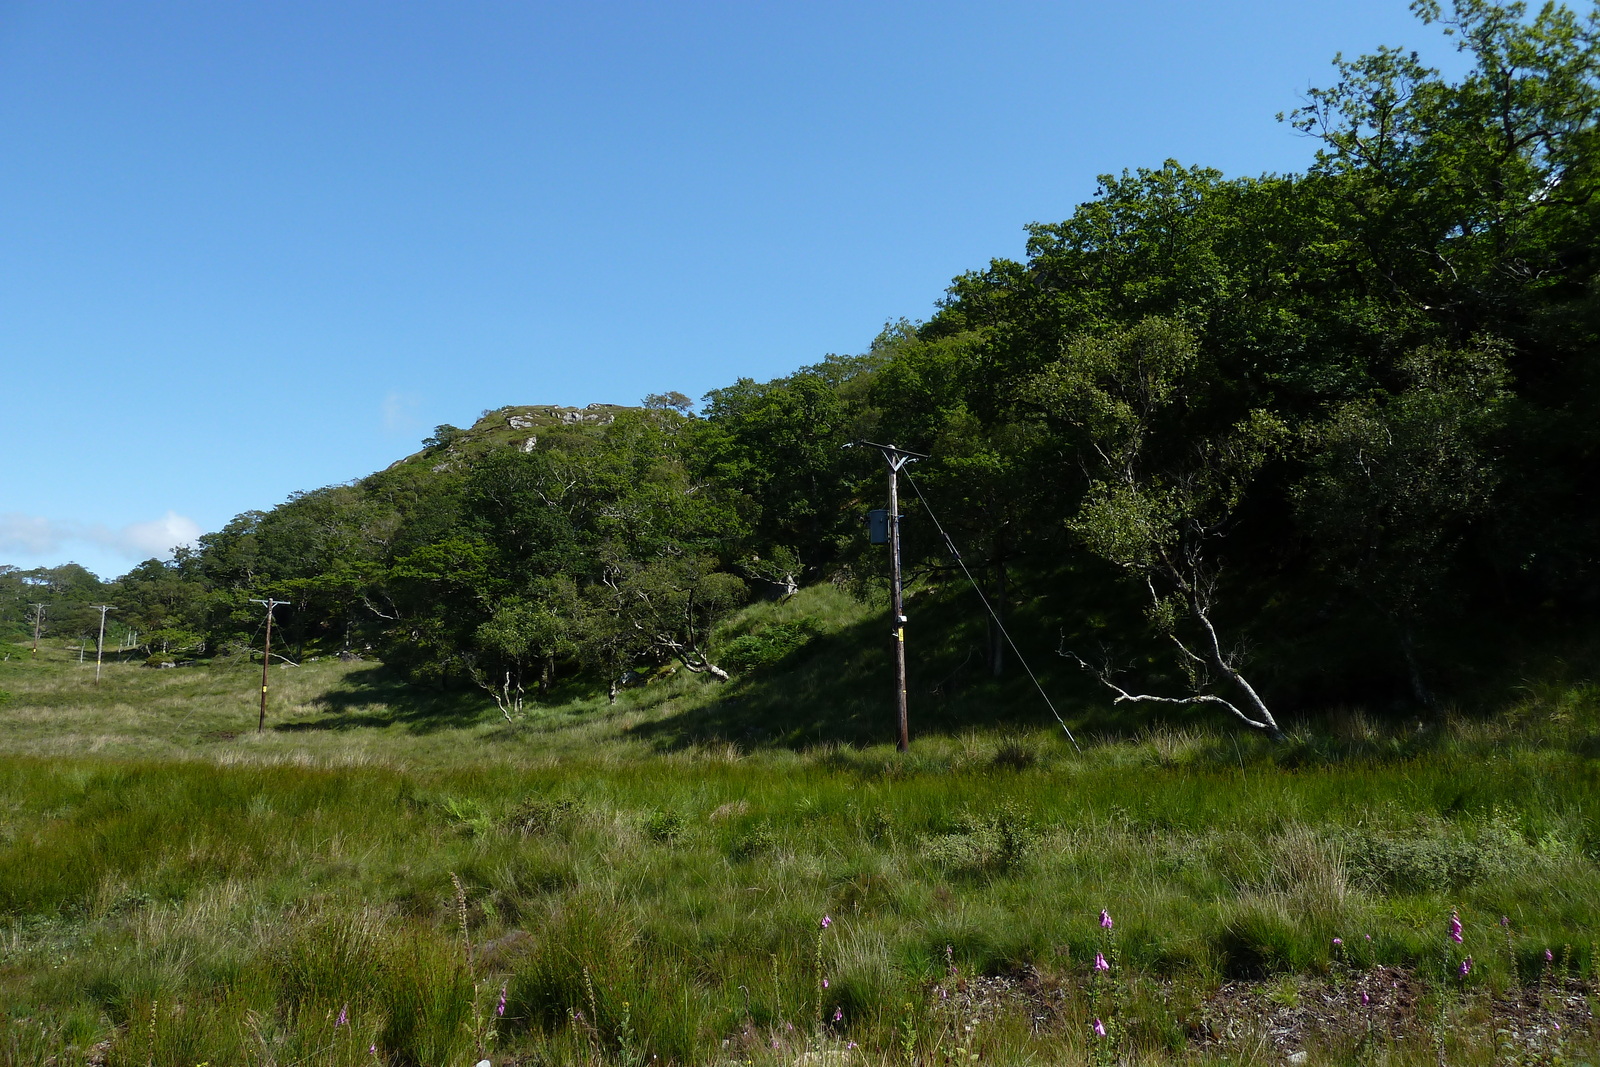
1248, 447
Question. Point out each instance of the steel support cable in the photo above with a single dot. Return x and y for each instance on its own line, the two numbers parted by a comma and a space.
976, 588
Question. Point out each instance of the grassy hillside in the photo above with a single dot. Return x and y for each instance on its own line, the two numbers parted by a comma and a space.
365, 880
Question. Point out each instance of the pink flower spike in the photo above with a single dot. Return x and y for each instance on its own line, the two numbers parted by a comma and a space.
1099, 1028
500, 1008
1105, 919
372, 1049
1365, 1000
1505, 920
824, 983
344, 1016
827, 921
838, 1014
1549, 957
1455, 927
1466, 966
1100, 963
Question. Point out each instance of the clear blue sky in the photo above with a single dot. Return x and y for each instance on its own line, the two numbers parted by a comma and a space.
247, 249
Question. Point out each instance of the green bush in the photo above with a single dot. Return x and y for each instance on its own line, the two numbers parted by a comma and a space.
769, 645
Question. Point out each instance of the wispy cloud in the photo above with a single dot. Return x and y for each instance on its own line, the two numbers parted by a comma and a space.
35, 536
400, 413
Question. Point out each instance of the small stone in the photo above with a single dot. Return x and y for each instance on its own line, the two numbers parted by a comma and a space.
1294, 1057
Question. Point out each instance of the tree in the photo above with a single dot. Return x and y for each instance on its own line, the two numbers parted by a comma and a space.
1163, 486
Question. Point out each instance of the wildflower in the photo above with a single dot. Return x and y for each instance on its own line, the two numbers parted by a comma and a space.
1105, 919
838, 1014
1365, 1000
1367, 936
1099, 1028
827, 921
344, 1016
1338, 942
852, 1046
1455, 927
1555, 1026
824, 983
1505, 920
1549, 957
372, 1049
1100, 963
1466, 967
500, 1008
774, 1042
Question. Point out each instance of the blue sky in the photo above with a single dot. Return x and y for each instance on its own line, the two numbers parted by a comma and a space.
247, 249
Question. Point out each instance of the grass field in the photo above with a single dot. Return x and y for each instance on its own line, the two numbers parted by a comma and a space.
381, 873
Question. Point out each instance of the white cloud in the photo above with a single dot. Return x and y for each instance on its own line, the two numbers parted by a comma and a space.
400, 413
34, 536
141, 540
29, 534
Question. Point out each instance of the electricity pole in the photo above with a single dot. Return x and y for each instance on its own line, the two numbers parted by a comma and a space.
897, 458
266, 658
99, 645
38, 619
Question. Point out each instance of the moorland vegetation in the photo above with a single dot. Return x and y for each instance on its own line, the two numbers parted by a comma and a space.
1283, 485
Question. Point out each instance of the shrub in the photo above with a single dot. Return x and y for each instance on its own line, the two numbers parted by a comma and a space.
769, 645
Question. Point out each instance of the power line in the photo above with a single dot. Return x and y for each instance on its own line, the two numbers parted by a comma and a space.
951, 545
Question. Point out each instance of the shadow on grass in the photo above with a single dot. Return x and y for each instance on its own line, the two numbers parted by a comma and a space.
378, 697
839, 689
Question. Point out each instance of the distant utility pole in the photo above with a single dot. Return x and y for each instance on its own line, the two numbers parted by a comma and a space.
896, 458
266, 657
38, 620
99, 644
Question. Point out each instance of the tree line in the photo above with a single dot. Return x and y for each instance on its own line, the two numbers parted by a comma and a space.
1316, 437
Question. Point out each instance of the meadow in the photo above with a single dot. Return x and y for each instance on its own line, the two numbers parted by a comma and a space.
392, 876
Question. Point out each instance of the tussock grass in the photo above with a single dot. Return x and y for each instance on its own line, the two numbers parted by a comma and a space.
176, 889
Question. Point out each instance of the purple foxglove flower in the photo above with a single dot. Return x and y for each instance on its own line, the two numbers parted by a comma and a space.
344, 1016
1549, 957
827, 921
500, 1008
838, 1014
1338, 941
1100, 963
774, 1042
372, 1050
1466, 966
1099, 1028
1455, 927
824, 983
1105, 919
1365, 1000
852, 1046
1505, 920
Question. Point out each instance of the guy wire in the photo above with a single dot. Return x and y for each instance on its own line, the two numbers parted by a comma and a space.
956, 555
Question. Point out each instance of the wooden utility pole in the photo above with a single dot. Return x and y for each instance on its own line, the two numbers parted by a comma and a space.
266, 658
896, 458
38, 620
100, 642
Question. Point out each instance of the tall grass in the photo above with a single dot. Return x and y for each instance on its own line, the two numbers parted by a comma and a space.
647, 881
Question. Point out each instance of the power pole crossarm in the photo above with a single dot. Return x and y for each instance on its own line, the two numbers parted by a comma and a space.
266, 657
